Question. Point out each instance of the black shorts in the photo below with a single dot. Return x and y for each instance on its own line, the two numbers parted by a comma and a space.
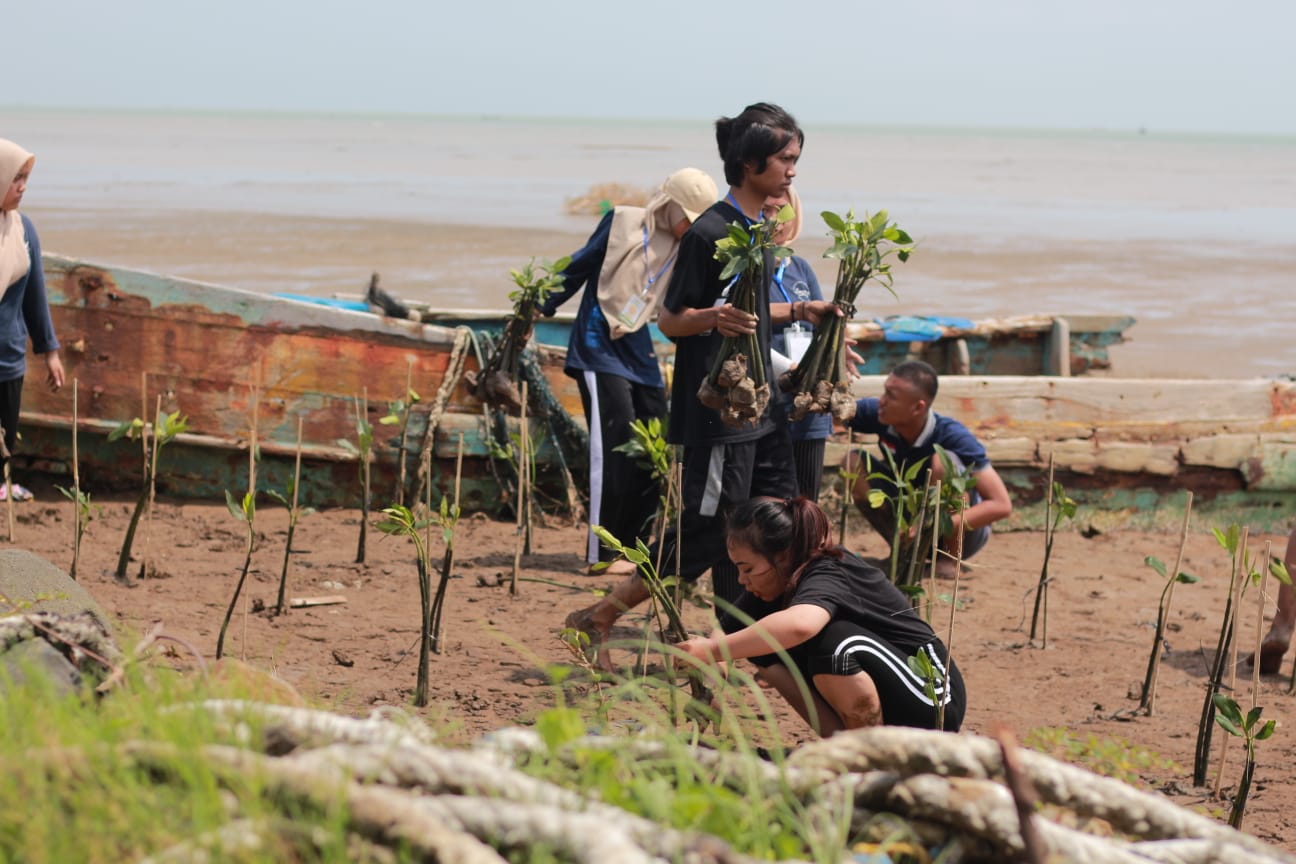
846, 648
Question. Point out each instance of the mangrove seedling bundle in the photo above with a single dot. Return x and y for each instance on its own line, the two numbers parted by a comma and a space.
861, 249
737, 386
496, 383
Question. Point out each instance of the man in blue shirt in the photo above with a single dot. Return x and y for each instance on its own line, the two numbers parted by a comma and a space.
909, 431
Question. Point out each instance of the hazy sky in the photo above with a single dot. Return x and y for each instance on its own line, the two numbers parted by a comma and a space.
1165, 65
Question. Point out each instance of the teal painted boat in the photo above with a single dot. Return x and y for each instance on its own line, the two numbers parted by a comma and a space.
135, 341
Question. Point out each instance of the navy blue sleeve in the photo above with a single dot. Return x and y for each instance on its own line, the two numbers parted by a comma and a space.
585, 265
35, 306
955, 437
866, 416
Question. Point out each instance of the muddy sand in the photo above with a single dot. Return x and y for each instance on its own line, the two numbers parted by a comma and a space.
360, 654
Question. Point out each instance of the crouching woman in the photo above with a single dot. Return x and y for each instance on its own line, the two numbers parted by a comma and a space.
848, 631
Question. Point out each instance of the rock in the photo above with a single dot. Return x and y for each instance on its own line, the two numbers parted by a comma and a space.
29, 583
38, 657
43, 615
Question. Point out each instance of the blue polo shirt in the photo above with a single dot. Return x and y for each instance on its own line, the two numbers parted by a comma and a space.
965, 451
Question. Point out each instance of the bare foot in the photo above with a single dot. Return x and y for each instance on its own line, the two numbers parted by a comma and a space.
946, 569
1271, 656
582, 620
619, 567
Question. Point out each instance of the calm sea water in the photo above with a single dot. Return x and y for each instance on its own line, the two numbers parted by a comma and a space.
1194, 236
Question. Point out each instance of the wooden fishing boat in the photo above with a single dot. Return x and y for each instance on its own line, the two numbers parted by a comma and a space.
1121, 446
221, 356
1021, 345
1128, 449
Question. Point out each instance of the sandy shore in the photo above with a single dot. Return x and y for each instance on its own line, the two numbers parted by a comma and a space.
358, 655
1183, 330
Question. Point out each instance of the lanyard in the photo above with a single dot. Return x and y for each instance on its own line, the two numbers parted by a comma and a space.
652, 278
730, 198
778, 280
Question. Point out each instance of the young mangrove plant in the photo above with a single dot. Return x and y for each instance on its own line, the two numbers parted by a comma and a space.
400, 521
289, 500
85, 513
497, 382
663, 605
737, 386
861, 247
1057, 506
1234, 541
922, 512
362, 447
1147, 701
647, 445
164, 430
1229, 716
245, 512
921, 665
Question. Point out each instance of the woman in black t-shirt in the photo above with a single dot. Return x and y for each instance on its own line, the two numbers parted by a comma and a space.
846, 629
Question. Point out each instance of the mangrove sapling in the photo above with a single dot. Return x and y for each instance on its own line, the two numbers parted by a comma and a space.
849, 473
1147, 701
245, 512
921, 665
164, 430
1234, 542
449, 519
663, 604
363, 449
83, 512
737, 386
289, 500
497, 382
820, 380
1057, 506
905, 502
398, 412
1229, 716
400, 521
647, 445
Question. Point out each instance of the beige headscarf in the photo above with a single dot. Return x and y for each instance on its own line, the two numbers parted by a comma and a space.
789, 231
14, 259
633, 278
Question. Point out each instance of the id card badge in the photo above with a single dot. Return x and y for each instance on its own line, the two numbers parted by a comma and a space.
634, 307
797, 340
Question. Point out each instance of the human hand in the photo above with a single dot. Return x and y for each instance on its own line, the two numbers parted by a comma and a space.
700, 648
54, 367
856, 361
732, 321
817, 311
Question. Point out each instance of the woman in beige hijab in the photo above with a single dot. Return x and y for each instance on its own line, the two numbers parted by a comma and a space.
624, 268
24, 311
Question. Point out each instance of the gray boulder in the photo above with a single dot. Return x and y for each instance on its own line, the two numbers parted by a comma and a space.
49, 626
